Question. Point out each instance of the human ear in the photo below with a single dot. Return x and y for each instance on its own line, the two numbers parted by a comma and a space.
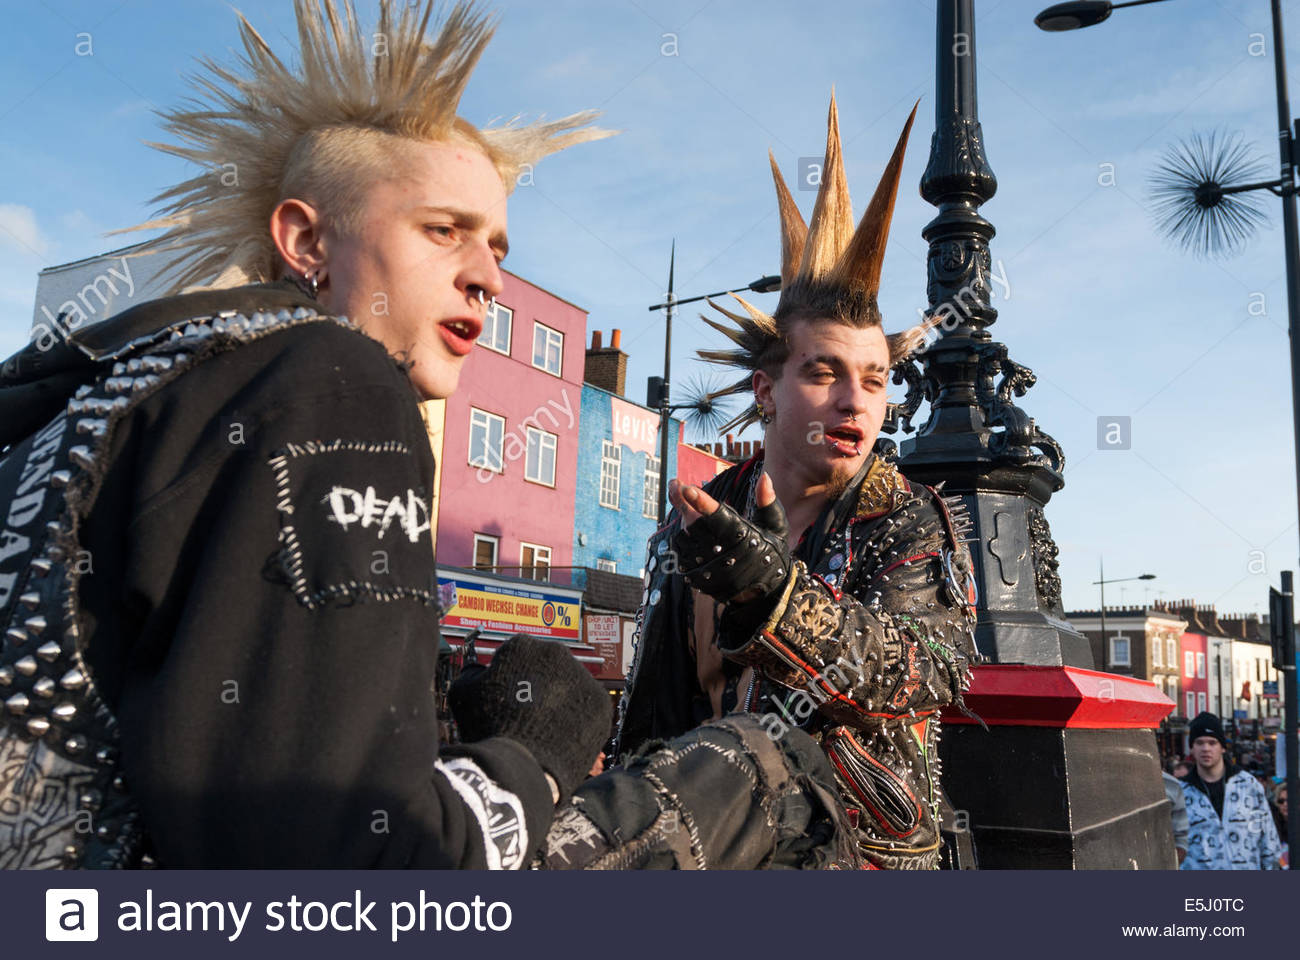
296, 230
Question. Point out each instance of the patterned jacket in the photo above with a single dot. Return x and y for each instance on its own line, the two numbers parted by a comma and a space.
1244, 839
871, 636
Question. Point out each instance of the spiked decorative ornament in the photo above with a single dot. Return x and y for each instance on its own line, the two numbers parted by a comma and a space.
1200, 195
829, 270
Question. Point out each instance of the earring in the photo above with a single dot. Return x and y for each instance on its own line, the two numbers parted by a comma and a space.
764, 417
313, 285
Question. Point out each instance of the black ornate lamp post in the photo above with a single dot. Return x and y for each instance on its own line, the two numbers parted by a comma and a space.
659, 389
1084, 789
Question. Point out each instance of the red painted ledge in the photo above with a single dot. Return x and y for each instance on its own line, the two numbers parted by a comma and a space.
1016, 695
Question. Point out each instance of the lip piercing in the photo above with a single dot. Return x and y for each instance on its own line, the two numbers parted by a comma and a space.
481, 297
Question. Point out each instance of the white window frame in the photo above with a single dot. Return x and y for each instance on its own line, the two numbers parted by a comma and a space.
1202, 701
529, 570
1189, 704
484, 420
549, 335
492, 324
1171, 653
611, 470
1200, 665
650, 495
1189, 663
1115, 661
494, 542
1157, 654
545, 441
609, 566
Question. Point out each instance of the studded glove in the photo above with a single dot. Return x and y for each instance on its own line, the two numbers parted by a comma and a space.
726, 556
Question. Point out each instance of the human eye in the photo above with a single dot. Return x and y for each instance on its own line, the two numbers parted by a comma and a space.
442, 230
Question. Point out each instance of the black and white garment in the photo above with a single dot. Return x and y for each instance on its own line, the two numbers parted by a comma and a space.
1244, 838
216, 586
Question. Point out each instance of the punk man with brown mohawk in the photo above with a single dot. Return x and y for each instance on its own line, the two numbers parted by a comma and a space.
239, 682
859, 629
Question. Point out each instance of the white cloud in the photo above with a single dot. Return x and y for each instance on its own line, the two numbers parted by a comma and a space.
18, 230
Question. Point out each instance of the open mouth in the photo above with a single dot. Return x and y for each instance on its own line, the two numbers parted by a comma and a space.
847, 439
459, 333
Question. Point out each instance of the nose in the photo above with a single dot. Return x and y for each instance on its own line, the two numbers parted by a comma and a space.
852, 398
480, 274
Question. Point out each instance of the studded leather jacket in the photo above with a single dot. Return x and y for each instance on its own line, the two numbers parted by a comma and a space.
215, 589
870, 637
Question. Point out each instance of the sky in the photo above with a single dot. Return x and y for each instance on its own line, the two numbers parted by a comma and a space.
1113, 319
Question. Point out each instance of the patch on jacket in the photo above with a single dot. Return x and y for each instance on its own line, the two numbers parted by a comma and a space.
884, 489
352, 526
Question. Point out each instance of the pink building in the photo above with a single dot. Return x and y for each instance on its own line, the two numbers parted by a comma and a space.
1194, 684
509, 446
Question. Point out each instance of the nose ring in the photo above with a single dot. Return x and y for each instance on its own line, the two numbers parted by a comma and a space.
481, 297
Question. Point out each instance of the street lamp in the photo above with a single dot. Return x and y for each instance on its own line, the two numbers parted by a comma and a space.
659, 390
1081, 13
1102, 583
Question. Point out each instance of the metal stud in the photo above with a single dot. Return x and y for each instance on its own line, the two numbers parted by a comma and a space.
26, 666
64, 712
59, 479
43, 687
6, 675
95, 428
83, 391
16, 635
38, 726
49, 651
31, 599
81, 457
74, 679
17, 704
75, 745
90, 800
35, 624
41, 566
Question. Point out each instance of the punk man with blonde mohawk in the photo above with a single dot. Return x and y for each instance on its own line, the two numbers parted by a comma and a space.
239, 682
859, 631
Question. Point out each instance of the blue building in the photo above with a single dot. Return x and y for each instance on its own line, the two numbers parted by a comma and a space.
618, 468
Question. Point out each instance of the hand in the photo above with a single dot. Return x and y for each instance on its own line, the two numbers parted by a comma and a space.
724, 555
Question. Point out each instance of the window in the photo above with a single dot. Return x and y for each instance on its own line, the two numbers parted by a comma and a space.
548, 348
1191, 705
1202, 701
609, 566
1119, 651
1157, 658
1200, 664
1189, 664
486, 434
650, 500
539, 464
485, 550
534, 561
611, 462
496, 328
1171, 653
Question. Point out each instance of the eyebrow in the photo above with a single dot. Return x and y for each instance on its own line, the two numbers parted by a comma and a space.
837, 363
471, 220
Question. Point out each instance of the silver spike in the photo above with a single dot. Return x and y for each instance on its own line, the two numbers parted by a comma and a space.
6, 675
83, 391
219, 325
74, 679
230, 312
17, 704
75, 407
302, 313
133, 365
64, 712
31, 599
49, 651
26, 666
75, 745
94, 427
38, 726
43, 687
81, 457
16, 635
191, 330
59, 479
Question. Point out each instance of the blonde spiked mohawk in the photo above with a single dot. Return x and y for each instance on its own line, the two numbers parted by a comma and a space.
252, 130
829, 271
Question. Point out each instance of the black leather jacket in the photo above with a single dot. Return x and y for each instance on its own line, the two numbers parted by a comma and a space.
870, 637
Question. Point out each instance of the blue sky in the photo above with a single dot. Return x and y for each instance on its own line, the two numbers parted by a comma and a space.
1113, 321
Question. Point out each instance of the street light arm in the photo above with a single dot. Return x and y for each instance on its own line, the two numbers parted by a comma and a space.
761, 285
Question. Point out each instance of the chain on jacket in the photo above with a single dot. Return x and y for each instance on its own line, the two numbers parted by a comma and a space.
869, 639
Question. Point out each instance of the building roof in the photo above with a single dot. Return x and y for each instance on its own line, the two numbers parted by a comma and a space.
612, 591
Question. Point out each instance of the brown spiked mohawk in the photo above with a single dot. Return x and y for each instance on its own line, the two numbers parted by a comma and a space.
829, 270
253, 128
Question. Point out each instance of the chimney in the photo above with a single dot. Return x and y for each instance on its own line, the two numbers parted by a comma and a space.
606, 367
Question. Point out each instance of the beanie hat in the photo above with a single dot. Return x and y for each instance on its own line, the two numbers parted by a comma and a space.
536, 693
1206, 725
